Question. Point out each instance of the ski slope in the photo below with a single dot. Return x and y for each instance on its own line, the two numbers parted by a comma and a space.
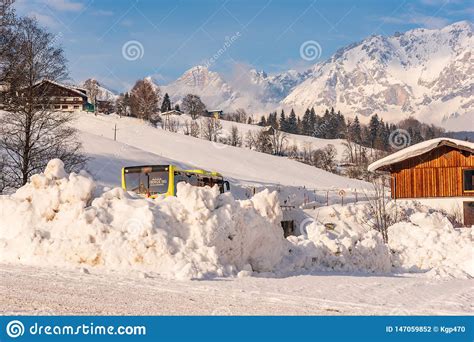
139, 143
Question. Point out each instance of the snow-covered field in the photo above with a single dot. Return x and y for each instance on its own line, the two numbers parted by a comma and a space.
26, 290
160, 146
97, 242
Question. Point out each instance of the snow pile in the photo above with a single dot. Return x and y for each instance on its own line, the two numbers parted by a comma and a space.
338, 249
54, 220
422, 241
428, 242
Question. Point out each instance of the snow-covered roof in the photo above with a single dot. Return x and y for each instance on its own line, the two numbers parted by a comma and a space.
419, 149
71, 88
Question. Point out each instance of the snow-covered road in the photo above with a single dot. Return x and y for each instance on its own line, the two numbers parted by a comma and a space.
48, 291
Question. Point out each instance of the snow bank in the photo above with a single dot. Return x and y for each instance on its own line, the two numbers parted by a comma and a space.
422, 241
54, 220
428, 242
338, 249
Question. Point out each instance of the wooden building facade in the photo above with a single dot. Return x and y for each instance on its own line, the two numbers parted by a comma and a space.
443, 172
440, 168
62, 97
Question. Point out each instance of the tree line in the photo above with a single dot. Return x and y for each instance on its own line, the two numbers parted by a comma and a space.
144, 101
333, 125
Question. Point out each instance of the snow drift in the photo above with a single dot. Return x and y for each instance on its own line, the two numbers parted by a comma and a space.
60, 219
422, 241
55, 220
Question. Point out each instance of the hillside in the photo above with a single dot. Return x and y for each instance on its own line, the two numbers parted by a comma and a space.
140, 143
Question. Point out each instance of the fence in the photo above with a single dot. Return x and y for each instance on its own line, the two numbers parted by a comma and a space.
308, 198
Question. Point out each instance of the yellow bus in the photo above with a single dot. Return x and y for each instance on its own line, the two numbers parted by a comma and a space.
154, 180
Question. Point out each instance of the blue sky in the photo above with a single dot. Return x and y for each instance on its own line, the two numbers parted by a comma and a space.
172, 36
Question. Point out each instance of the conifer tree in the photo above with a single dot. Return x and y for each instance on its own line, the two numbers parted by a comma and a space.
283, 121
166, 104
355, 130
373, 129
305, 123
292, 123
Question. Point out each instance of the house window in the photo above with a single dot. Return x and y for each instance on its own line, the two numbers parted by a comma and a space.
76, 107
57, 106
65, 107
468, 180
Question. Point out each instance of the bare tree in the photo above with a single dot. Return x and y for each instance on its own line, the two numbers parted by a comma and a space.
122, 105
241, 115
8, 40
263, 142
381, 216
211, 129
191, 128
278, 141
3, 174
250, 140
235, 139
193, 106
324, 158
293, 152
92, 88
259, 141
170, 124
30, 132
144, 99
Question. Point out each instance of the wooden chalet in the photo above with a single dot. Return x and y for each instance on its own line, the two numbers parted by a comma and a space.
62, 97
440, 168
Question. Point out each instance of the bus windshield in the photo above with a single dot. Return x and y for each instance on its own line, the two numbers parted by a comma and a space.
147, 183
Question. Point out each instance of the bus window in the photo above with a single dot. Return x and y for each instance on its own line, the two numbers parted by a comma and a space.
179, 177
192, 179
158, 182
137, 182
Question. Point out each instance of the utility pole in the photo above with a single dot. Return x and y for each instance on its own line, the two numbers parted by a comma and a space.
115, 132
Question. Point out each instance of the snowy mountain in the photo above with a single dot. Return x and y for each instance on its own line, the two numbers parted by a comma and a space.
104, 93
250, 89
199, 80
276, 87
422, 73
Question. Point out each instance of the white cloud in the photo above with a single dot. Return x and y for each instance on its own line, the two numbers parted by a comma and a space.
426, 21
439, 2
64, 5
44, 19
